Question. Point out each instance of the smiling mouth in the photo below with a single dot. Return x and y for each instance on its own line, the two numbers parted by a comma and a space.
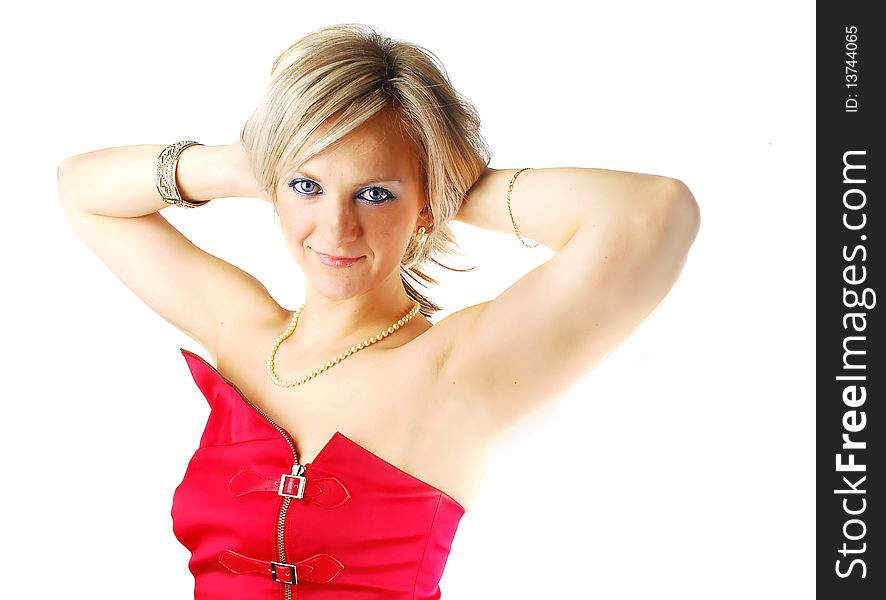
337, 261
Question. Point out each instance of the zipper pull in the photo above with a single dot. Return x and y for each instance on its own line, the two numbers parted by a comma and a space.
298, 469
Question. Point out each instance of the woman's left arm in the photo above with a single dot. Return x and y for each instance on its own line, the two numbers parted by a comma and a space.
621, 240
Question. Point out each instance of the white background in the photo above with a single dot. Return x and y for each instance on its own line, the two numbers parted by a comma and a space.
682, 467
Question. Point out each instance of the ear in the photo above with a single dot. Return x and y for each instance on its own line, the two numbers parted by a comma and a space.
425, 218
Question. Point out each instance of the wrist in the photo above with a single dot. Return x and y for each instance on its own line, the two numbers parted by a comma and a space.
241, 178
203, 173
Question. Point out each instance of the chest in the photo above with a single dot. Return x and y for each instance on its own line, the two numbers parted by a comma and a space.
385, 400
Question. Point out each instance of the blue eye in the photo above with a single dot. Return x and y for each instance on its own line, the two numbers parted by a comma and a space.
387, 195
295, 182
380, 195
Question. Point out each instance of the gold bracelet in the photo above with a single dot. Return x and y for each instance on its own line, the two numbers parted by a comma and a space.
167, 164
510, 188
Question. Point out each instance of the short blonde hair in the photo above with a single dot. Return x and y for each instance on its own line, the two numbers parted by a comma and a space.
345, 74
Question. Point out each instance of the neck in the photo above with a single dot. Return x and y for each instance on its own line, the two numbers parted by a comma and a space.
334, 325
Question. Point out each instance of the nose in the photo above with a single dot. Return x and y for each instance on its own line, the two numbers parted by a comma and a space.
338, 220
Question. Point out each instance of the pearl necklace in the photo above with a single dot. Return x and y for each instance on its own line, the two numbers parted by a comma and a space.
364, 344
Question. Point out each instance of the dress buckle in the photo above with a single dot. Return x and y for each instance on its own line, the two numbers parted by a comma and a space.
300, 491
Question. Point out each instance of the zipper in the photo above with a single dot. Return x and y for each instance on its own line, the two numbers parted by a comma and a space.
297, 469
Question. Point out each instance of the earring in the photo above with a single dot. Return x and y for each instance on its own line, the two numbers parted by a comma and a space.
421, 235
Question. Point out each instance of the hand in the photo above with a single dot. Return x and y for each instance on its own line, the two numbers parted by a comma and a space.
244, 180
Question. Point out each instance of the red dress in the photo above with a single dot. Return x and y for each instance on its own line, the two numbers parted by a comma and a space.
348, 526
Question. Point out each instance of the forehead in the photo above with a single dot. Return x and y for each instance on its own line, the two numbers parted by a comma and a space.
377, 148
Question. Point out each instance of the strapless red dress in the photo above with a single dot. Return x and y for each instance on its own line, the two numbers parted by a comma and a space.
347, 526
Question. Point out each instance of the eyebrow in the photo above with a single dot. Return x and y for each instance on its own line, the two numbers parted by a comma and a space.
371, 180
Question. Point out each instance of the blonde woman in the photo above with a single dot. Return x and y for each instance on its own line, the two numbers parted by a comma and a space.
346, 437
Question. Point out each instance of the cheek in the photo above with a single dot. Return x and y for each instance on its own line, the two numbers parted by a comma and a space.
294, 237
392, 234
293, 225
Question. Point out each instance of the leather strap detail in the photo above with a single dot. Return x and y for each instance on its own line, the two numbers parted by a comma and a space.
319, 568
327, 492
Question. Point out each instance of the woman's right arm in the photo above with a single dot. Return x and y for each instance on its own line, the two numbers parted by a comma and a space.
111, 200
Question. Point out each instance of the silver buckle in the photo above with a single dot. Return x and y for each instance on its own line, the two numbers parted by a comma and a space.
301, 486
293, 578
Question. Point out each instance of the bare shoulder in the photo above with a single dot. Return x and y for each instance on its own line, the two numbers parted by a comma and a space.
457, 415
438, 342
247, 316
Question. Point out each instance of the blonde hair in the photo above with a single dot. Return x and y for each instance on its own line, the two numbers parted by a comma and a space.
344, 75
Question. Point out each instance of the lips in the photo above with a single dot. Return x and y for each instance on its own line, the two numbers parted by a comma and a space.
337, 261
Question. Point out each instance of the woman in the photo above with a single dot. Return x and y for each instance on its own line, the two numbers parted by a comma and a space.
347, 437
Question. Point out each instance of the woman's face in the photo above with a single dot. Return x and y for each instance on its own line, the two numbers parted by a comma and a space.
359, 198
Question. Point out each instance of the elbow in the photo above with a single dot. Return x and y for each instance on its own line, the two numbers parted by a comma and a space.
68, 181
61, 178
683, 216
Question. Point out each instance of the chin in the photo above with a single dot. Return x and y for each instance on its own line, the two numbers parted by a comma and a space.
338, 283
